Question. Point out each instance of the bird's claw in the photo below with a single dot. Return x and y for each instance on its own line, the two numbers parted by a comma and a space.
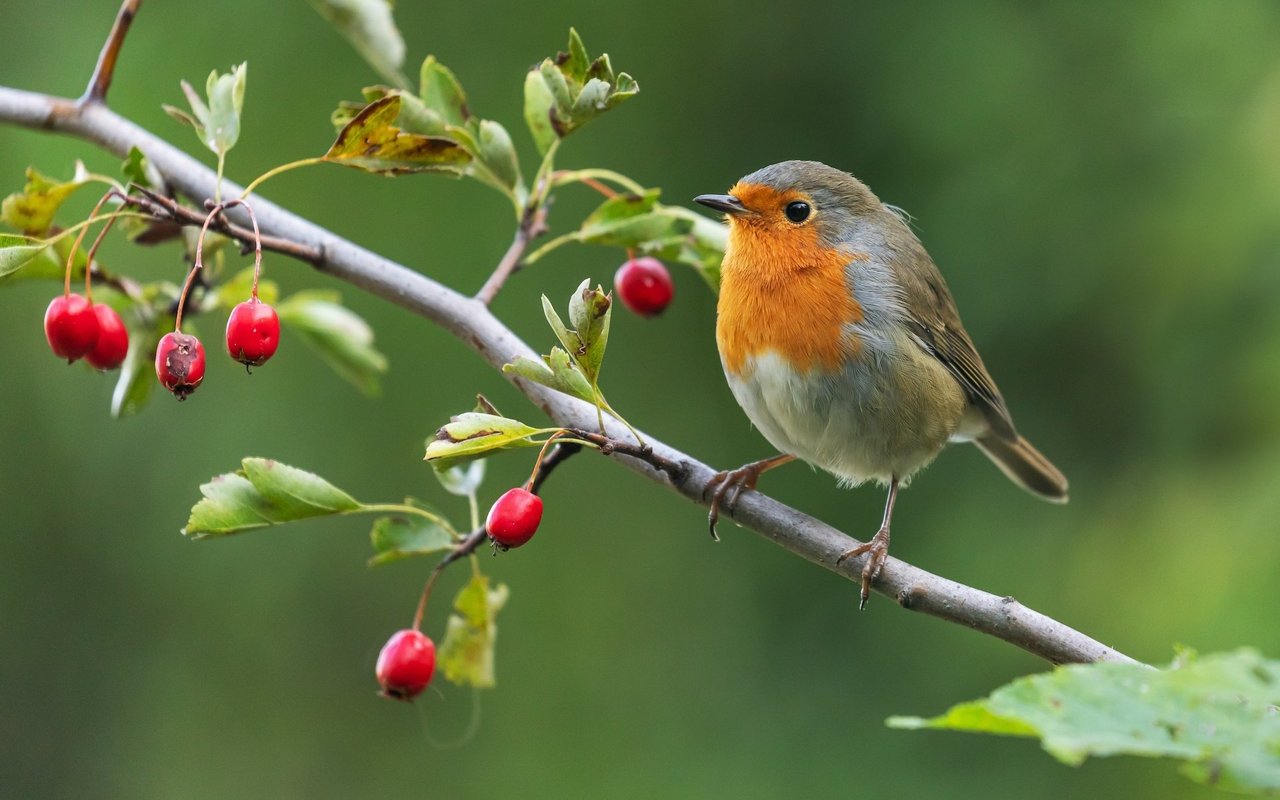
725, 488
878, 548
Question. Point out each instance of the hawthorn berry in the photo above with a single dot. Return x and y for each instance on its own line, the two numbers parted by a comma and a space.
644, 285
180, 363
113, 339
70, 326
514, 518
253, 332
406, 664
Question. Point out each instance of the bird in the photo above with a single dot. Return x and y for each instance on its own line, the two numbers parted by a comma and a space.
842, 343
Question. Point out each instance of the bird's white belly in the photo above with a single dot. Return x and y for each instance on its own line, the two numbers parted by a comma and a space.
855, 423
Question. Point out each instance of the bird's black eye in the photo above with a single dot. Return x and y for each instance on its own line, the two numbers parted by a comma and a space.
798, 211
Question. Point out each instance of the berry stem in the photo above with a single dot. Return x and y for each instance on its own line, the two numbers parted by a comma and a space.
274, 171
195, 267
537, 465
93, 252
75, 246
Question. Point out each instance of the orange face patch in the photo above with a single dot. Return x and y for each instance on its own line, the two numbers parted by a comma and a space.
782, 289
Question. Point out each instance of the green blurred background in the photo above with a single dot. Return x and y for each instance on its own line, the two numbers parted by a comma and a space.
1100, 185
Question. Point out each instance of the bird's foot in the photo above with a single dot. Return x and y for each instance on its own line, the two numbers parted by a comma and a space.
725, 488
878, 550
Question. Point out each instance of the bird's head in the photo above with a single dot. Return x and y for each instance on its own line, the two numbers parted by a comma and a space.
794, 207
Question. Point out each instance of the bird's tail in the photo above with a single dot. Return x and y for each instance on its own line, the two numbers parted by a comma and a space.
1025, 466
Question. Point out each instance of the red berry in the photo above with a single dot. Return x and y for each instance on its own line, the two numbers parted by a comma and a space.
514, 518
644, 285
70, 326
406, 664
180, 363
113, 339
253, 333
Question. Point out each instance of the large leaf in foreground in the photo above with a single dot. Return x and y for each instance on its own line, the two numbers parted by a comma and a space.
262, 493
1216, 713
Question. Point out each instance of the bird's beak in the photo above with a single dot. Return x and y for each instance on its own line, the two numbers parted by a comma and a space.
722, 202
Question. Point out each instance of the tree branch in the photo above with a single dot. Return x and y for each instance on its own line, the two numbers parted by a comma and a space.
471, 321
533, 223
96, 91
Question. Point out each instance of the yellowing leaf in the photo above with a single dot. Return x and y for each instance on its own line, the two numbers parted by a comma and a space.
466, 654
371, 141
32, 210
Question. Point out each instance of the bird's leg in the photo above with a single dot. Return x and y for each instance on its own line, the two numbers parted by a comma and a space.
878, 548
729, 484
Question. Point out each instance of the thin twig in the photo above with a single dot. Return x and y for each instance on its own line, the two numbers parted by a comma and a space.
96, 91
471, 322
533, 224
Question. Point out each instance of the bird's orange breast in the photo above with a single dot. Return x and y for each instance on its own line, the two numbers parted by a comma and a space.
783, 291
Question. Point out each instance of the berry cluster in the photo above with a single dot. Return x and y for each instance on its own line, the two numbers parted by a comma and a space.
77, 328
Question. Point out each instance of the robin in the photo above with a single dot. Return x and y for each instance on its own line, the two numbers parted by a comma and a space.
841, 341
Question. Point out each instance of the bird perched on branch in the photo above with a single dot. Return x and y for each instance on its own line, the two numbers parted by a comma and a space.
842, 343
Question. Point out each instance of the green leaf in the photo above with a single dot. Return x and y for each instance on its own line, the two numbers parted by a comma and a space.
466, 654
589, 313
397, 538
372, 142
32, 210
137, 169
17, 252
636, 222
462, 482
218, 123
137, 377
567, 337
263, 493
343, 339
498, 153
369, 26
555, 371
564, 93
1216, 713
473, 434
441, 92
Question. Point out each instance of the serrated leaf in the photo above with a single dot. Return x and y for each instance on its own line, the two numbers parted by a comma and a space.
370, 28
262, 493
371, 141
441, 92
293, 493
556, 371
338, 335
397, 538
466, 654
462, 482
17, 252
32, 210
1215, 713
473, 434
564, 93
